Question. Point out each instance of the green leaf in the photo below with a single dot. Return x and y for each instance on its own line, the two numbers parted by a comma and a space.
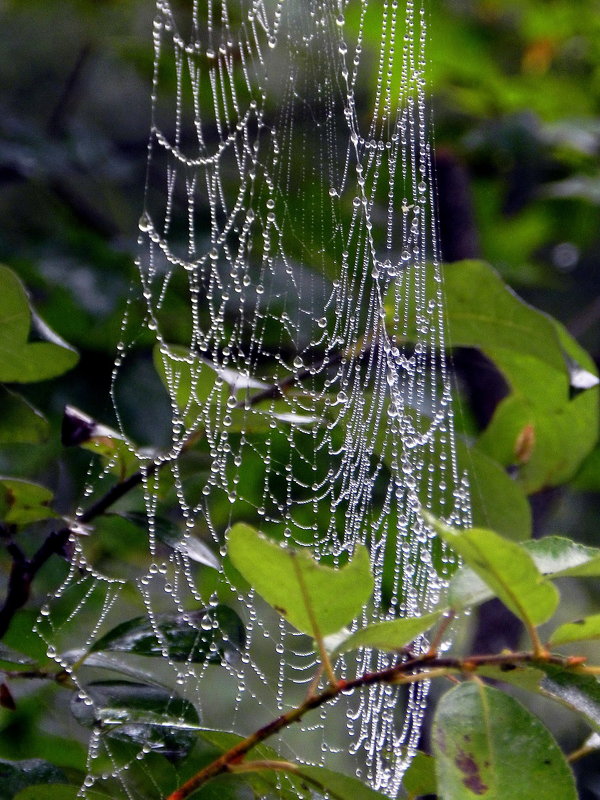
209, 634
579, 631
390, 635
560, 557
497, 500
20, 421
139, 714
540, 428
303, 591
17, 775
575, 690
488, 746
20, 360
336, 785
554, 556
420, 778
25, 502
505, 567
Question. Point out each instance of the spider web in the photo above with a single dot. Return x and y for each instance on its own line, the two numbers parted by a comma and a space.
290, 199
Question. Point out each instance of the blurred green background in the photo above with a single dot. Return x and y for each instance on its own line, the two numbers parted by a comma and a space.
515, 92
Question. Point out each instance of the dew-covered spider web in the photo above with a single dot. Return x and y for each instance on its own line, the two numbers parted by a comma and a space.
289, 280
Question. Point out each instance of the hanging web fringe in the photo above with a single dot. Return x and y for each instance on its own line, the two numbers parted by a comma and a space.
290, 199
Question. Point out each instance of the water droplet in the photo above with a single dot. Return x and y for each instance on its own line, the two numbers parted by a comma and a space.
145, 223
272, 42
322, 322
339, 20
298, 363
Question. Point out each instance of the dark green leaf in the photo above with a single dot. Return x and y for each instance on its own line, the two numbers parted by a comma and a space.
59, 792
390, 635
420, 778
26, 502
488, 746
298, 587
20, 421
505, 567
17, 775
209, 634
139, 714
573, 689
20, 360
170, 534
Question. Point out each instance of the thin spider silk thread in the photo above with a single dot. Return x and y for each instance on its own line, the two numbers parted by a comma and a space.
289, 199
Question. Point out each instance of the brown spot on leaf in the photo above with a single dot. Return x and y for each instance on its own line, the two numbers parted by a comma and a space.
524, 444
281, 610
470, 769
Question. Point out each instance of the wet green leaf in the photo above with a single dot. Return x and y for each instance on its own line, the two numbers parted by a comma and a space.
208, 634
505, 567
139, 714
390, 635
25, 502
575, 690
170, 534
560, 557
17, 775
488, 746
22, 361
298, 587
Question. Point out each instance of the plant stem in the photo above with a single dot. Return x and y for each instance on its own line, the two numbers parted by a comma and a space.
419, 668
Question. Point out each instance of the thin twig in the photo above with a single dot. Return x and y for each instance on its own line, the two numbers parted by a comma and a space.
418, 668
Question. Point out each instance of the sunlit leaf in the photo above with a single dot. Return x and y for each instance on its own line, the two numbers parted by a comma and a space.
209, 634
139, 714
487, 745
579, 631
298, 587
390, 635
505, 567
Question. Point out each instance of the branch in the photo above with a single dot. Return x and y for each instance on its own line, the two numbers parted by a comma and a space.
421, 667
24, 570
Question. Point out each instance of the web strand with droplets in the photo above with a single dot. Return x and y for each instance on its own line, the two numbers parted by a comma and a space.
290, 201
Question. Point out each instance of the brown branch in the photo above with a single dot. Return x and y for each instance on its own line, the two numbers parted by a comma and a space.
418, 668
24, 570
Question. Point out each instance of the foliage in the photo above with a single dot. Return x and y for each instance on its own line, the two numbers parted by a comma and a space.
471, 722
518, 108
